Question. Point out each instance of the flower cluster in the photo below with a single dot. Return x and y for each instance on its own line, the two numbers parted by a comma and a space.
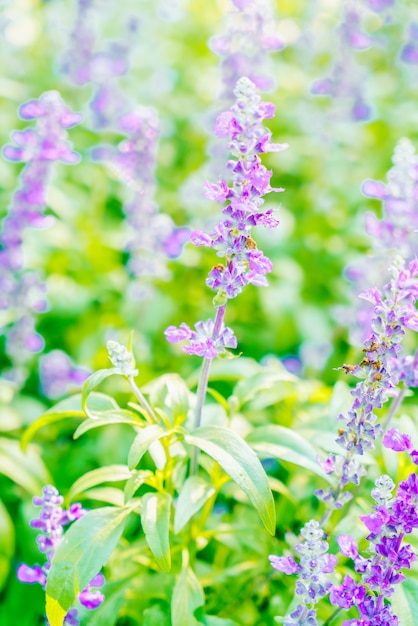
313, 568
346, 81
152, 235
250, 35
23, 293
395, 311
388, 523
243, 263
58, 374
203, 341
83, 64
121, 358
394, 233
50, 522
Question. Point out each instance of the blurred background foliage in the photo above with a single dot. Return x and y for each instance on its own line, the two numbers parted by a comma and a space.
82, 259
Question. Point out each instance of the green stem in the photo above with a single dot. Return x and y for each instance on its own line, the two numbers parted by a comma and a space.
393, 408
332, 617
202, 387
141, 399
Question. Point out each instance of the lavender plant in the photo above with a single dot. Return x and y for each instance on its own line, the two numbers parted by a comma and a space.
23, 289
169, 425
380, 371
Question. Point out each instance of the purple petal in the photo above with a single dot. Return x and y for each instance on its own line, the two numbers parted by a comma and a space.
31, 575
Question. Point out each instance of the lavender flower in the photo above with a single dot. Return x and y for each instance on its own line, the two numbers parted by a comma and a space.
50, 522
392, 235
345, 83
152, 235
313, 568
58, 374
249, 38
390, 520
395, 311
409, 53
23, 292
231, 238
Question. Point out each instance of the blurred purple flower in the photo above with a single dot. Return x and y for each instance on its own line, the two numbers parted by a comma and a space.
58, 374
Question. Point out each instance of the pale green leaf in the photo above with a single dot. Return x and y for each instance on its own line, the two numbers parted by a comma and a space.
405, 602
138, 478
142, 442
68, 408
155, 519
195, 492
25, 469
91, 383
285, 444
84, 550
170, 393
7, 543
187, 597
109, 473
240, 462
121, 416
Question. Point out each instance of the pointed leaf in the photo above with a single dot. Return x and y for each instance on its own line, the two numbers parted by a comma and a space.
68, 408
84, 550
109, 473
187, 597
109, 495
142, 442
25, 469
195, 492
170, 393
122, 416
7, 543
241, 463
405, 602
285, 444
155, 519
138, 478
93, 381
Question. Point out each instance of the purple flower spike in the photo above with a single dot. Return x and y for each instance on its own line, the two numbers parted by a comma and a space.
243, 263
38, 147
51, 521
348, 546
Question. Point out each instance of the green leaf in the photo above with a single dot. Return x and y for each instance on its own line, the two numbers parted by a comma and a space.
142, 442
122, 416
187, 597
93, 381
109, 473
241, 463
155, 519
405, 602
251, 387
195, 492
287, 445
84, 550
68, 408
170, 393
138, 478
212, 620
25, 469
155, 616
7, 543
110, 495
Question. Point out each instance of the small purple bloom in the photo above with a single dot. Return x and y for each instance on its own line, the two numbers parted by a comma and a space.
348, 546
394, 440
284, 564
